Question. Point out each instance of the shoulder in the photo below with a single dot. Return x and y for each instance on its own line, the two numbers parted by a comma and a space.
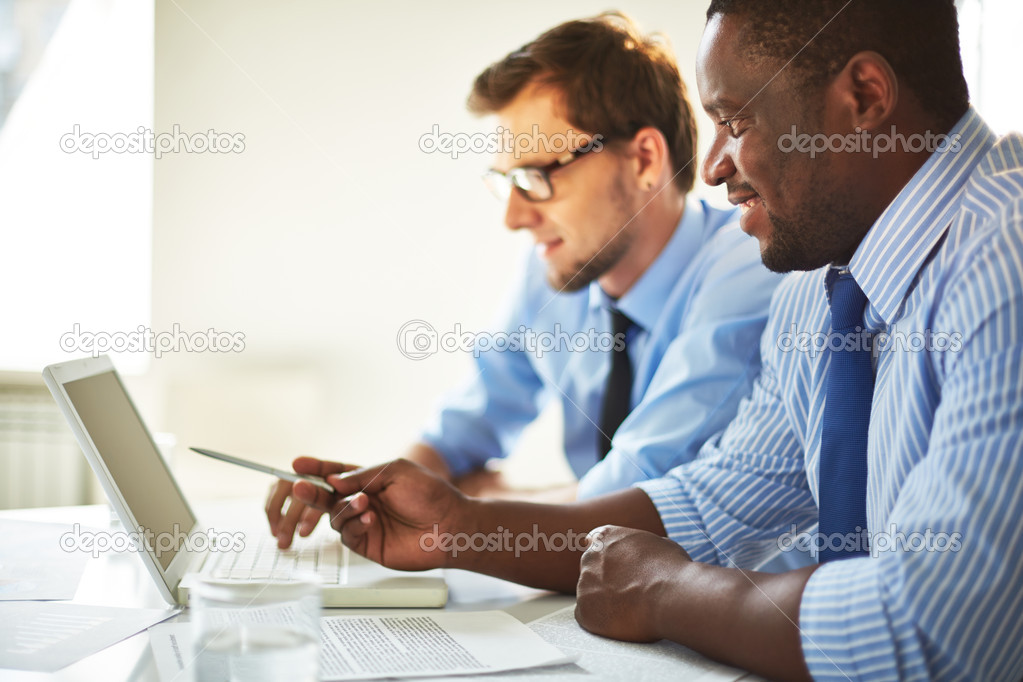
987, 268
979, 298
993, 203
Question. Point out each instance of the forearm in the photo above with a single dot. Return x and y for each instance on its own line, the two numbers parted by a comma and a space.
743, 618
541, 543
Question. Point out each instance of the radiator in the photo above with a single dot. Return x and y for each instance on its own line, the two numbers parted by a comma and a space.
41, 464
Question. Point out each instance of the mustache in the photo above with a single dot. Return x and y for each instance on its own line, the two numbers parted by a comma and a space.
741, 189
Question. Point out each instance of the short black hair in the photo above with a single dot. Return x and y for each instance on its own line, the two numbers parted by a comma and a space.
919, 38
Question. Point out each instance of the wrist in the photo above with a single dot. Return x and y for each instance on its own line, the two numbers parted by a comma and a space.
669, 599
464, 524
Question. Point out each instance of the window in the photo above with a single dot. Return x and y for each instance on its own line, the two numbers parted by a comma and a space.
76, 229
989, 33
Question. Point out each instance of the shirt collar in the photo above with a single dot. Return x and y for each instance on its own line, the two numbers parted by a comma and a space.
900, 241
643, 303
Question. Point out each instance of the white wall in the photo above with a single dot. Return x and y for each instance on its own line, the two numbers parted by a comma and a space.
332, 228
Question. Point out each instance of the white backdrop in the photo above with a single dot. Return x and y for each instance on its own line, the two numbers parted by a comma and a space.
332, 229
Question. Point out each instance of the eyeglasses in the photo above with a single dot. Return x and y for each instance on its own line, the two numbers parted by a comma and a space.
533, 182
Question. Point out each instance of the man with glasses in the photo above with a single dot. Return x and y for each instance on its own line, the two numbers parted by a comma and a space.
645, 307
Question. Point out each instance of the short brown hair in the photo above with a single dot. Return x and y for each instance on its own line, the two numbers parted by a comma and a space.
615, 80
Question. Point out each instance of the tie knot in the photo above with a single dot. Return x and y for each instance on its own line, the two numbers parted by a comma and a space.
847, 303
620, 322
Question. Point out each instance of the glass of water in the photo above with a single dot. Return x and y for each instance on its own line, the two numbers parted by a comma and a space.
254, 631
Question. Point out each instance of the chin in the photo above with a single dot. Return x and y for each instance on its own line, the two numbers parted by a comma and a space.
562, 282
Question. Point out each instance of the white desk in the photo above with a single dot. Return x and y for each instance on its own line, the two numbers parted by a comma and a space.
122, 580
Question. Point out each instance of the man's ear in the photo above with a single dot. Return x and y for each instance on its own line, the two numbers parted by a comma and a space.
649, 155
867, 91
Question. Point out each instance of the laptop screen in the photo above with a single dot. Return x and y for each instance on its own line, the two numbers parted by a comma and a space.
135, 465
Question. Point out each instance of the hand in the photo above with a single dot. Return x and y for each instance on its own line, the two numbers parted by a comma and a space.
389, 513
283, 526
622, 579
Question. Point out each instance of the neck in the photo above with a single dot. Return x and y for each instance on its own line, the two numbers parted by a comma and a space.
887, 180
653, 226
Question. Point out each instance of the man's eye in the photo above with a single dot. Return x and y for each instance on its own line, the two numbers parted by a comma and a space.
733, 126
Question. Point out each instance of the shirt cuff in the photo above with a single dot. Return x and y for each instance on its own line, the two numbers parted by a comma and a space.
845, 629
681, 518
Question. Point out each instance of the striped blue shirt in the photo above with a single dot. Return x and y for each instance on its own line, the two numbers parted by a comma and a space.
941, 594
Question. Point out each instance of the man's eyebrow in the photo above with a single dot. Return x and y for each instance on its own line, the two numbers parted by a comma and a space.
526, 163
721, 104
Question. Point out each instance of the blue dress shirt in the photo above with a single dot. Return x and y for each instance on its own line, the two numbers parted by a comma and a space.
699, 310
940, 594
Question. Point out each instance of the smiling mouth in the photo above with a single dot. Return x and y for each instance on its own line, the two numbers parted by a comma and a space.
750, 204
545, 248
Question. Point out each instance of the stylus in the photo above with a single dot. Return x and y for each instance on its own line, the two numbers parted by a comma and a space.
279, 473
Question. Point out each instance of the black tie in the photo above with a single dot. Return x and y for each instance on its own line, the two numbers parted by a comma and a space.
618, 390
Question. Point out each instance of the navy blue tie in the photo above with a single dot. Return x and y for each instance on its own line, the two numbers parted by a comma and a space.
843, 462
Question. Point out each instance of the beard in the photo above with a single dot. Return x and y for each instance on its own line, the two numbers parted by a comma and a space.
583, 272
592, 266
807, 243
826, 228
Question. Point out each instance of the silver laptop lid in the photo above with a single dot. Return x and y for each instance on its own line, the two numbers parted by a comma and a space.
134, 476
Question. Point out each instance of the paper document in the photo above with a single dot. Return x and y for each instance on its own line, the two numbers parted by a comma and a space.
607, 659
46, 636
373, 647
34, 564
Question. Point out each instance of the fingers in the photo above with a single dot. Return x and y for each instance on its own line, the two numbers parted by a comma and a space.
306, 524
316, 497
355, 533
347, 509
279, 493
286, 527
313, 496
373, 479
319, 467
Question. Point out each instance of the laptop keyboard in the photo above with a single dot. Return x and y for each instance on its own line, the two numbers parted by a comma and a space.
262, 559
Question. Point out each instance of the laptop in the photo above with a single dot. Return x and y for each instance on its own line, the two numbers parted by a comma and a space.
144, 493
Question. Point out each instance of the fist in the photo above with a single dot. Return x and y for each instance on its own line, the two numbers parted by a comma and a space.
623, 578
